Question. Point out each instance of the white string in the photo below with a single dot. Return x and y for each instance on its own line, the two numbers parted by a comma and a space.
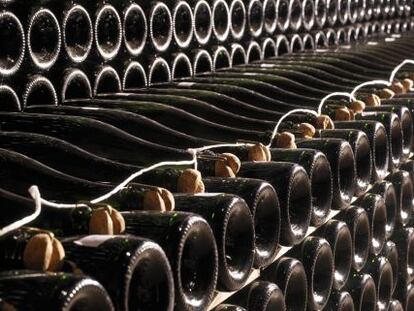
276, 129
396, 69
349, 95
373, 82
35, 194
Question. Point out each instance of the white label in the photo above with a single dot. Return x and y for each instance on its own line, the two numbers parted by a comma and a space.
186, 84
94, 240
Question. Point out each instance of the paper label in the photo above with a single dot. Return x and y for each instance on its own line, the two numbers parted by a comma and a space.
186, 84
93, 240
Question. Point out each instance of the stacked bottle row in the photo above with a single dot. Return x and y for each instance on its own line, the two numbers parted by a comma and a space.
77, 83
51, 35
81, 150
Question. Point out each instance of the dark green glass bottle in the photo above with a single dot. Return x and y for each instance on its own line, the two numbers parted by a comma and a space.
191, 249
54, 291
263, 202
378, 141
319, 171
134, 271
233, 227
342, 161
293, 188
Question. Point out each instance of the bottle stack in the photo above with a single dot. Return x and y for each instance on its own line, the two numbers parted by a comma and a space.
274, 192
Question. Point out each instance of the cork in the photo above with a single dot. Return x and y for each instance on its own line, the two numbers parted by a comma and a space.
101, 222
386, 93
257, 153
168, 198
407, 84
286, 140
373, 100
153, 201
232, 161
324, 122
189, 181
223, 170
118, 222
397, 87
357, 106
343, 114
307, 130
200, 187
58, 254
38, 252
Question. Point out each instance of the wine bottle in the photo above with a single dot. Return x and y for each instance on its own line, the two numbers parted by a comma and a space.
340, 301
289, 274
358, 223
159, 71
134, 271
263, 202
381, 271
190, 247
12, 32
20, 172
107, 80
54, 291
390, 251
134, 26
395, 305
393, 126
264, 296
362, 152
203, 23
405, 294
408, 166
183, 24
406, 125
255, 18
103, 140
339, 237
65, 157
254, 53
270, 11
268, 46
108, 31
308, 14
387, 191
38, 89
295, 15
317, 258
129, 122
16, 207
378, 141
233, 227
293, 188
222, 115
223, 101
319, 171
221, 20
362, 289
175, 118
202, 61
29, 249
377, 212
404, 239
404, 191
61, 222
10, 99
342, 161
181, 67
